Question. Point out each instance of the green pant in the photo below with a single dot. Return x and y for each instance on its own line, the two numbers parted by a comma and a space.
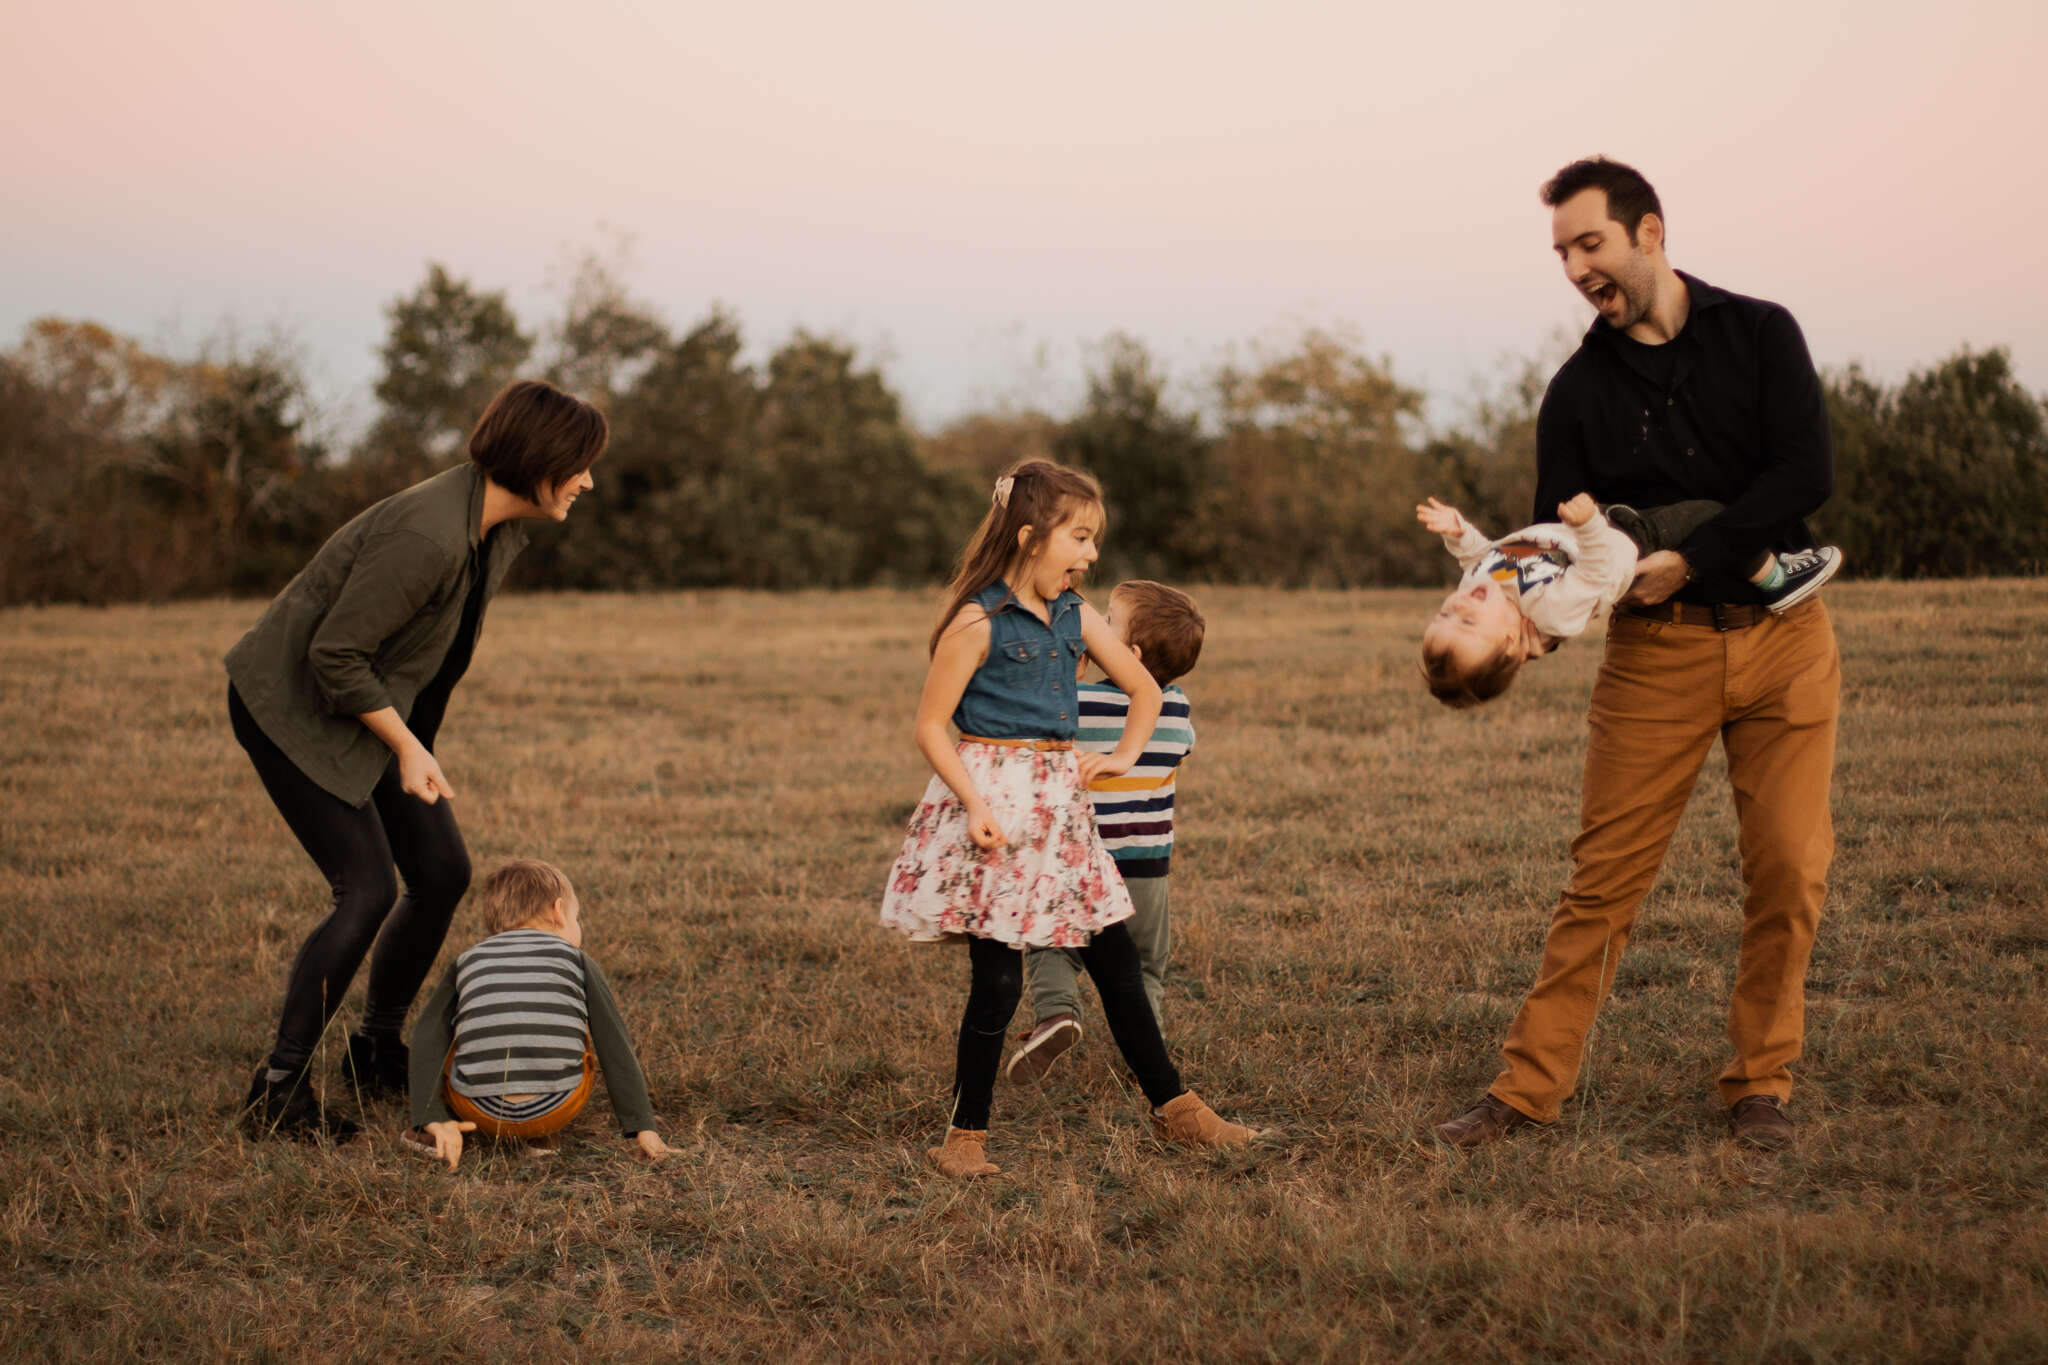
1055, 972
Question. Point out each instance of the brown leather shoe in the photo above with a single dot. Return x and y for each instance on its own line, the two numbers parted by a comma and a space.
1487, 1121
1760, 1121
1188, 1122
964, 1154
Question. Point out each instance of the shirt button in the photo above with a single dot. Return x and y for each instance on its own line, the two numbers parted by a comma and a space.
1688, 451
1669, 402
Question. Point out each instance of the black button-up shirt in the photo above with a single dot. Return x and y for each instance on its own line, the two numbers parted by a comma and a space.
1729, 409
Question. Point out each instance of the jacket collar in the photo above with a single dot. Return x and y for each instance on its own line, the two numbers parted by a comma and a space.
1699, 295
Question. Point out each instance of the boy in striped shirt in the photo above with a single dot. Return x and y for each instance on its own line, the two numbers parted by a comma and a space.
1133, 813
512, 1040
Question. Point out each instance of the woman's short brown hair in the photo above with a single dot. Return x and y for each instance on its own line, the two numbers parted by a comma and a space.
521, 892
533, 434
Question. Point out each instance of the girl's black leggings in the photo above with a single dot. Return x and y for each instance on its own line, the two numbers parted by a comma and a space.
997, 984
356, 849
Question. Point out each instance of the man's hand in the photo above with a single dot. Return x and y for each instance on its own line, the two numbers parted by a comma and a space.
1578, 511
448, 1139
1443, 520
648, 1145
1657, 577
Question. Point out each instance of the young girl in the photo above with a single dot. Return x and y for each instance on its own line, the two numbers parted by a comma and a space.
1002, 852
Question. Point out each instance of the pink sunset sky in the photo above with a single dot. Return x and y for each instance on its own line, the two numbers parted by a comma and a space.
973, 193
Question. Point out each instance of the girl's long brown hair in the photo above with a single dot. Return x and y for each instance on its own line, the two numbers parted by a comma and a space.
1043, 495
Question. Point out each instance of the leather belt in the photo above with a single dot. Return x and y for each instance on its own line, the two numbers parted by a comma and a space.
1719, 615
1051, 745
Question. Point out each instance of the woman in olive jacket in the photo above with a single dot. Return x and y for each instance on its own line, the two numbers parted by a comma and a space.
337, 693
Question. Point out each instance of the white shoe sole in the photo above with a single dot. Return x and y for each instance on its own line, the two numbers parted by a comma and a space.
1034, 1060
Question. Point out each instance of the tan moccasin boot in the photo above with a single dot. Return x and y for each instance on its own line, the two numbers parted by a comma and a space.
1190, 1123
963, 1154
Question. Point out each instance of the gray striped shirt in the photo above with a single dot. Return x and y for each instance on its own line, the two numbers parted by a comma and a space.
521, 1021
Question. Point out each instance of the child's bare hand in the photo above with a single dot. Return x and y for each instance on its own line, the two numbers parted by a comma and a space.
983, 829
1442, 519
648, 1145
1578, 511
447, 1137
1102, 765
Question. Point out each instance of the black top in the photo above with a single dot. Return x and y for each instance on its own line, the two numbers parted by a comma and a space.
1729, 409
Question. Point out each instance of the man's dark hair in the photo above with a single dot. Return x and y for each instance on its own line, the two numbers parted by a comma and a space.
1629, 196
532, 434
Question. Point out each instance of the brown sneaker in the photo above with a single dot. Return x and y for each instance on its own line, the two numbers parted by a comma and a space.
1041, 1047
1487, 1121
1760, 1121
1190, 1123
963, 1154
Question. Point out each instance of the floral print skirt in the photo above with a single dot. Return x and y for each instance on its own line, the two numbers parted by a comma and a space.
1052, 885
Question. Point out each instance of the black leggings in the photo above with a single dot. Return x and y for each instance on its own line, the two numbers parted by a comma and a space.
997, 985
356, 848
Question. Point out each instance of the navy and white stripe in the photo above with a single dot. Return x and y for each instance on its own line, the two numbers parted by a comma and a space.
1134, 813
521, 1021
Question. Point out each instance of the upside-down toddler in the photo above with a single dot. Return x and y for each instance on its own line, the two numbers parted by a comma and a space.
512, 1039
1528, 592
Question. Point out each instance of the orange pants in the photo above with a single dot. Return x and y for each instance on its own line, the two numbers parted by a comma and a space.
1665, 690
540, 1125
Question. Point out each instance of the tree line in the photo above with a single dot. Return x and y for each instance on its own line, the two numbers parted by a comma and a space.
134, 476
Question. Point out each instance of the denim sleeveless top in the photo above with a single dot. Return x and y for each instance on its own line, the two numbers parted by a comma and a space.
1026, 688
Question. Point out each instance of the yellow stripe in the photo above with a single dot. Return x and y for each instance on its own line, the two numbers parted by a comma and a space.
1128, 784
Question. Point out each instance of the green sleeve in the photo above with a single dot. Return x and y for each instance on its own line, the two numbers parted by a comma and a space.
623, 1080
432, 1036
390, 584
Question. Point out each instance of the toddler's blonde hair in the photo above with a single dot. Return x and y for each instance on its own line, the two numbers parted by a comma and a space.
520, 892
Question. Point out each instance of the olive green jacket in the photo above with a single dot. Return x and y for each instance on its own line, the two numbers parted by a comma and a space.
366, 626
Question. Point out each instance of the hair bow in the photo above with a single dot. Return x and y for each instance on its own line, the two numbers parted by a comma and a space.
1001, 497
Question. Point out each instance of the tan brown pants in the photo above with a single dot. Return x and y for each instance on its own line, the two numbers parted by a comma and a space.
1665, 690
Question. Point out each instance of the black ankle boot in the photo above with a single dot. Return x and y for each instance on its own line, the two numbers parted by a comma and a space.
379, 1067
289, 1109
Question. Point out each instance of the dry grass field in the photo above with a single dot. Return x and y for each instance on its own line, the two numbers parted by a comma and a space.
1359, 902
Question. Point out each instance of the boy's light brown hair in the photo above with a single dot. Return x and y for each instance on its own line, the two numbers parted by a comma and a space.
521, 892
1165, 627
1460, 691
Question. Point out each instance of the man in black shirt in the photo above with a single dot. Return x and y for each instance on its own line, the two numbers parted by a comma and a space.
1682, 391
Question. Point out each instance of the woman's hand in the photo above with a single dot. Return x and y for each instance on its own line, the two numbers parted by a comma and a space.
1102, 765
983, 829
648, 1146
419, 774
447, 1137
1440, 518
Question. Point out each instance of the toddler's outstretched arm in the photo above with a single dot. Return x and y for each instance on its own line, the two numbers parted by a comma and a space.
1441, 518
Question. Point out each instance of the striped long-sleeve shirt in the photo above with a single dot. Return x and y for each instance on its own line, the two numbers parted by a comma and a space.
520, 1015
1134, 813
485, 1062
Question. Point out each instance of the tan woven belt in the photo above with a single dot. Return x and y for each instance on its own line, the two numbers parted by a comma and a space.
1050, 745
